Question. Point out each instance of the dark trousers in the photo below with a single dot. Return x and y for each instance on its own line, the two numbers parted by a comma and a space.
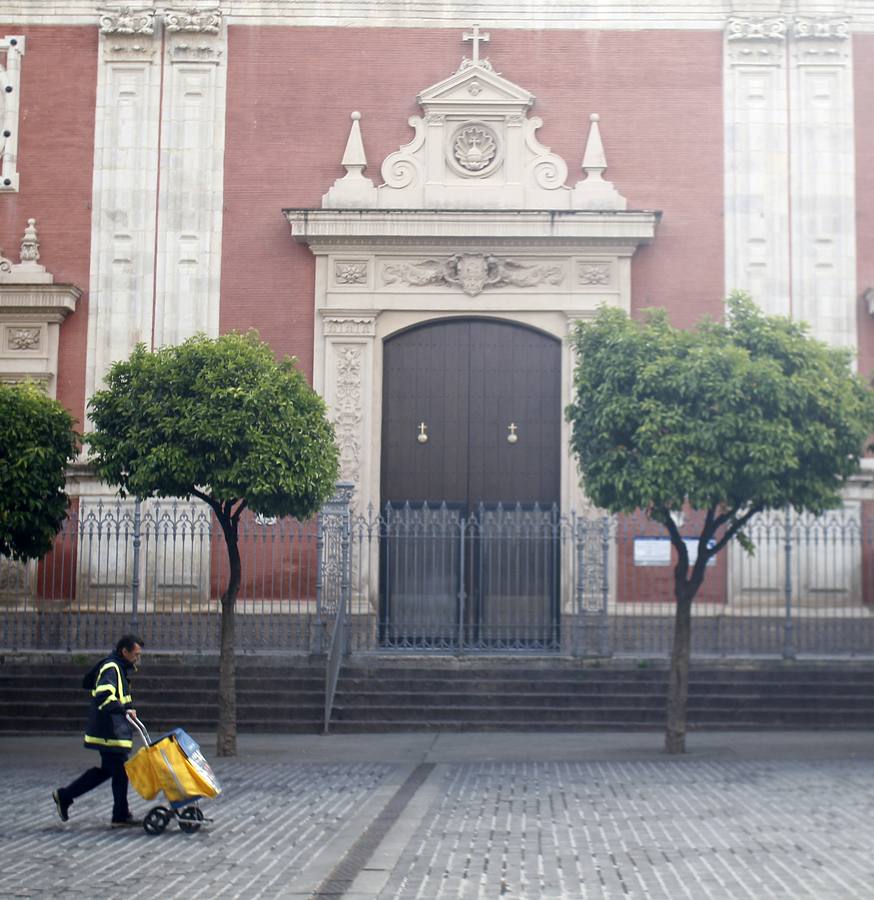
111, 766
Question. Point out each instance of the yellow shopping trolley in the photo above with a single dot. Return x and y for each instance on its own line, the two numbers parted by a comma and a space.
173, 764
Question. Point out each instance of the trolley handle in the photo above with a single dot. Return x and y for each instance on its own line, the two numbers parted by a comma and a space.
141, 729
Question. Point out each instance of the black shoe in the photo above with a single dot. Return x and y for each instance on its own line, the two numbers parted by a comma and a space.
61, 805
129, 822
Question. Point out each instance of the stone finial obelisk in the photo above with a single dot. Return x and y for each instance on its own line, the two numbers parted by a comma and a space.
353, 189
593, 192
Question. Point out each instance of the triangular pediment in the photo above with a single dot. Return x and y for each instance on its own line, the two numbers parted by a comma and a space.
472, 87
474, 147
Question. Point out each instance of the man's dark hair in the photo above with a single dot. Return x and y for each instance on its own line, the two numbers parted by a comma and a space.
127, 642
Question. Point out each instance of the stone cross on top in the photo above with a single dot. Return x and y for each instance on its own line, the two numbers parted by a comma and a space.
475, 37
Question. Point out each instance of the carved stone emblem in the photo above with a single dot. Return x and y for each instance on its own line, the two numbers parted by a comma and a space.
475, 147
472, 272
23, 338
351, 273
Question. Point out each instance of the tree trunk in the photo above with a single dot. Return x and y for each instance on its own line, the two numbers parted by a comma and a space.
678, 681
226, 738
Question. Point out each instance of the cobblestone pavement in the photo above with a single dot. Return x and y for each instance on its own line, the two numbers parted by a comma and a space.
635, 829
299, 821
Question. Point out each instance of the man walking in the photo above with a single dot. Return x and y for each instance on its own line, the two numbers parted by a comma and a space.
108, 731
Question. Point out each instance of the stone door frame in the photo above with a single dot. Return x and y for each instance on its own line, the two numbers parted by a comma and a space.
381, 271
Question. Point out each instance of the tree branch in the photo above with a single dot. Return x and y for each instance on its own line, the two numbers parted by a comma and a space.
664, 517
207, 499
239, 509
735, 527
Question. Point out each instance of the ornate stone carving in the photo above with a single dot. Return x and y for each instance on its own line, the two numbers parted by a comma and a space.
192, 19
472, 272
5, 265
756, 29
13, 577
480, 63
401, 169
804, 28
347, 410
23, 338
345, 325
127, 20
350, 273
594, 274
549, 170
183, 52
475, 148
30, 243
759, 39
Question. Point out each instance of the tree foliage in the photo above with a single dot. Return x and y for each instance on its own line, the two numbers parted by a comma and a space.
750, 413
218, 419
37, 441
730, 419
221, 420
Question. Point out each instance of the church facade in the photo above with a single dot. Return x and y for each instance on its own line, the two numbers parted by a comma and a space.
419, 203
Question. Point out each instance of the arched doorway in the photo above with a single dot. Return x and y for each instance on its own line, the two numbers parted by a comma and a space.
470, 484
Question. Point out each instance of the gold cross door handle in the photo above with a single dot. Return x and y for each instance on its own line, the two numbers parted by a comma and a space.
512, 437
422, 436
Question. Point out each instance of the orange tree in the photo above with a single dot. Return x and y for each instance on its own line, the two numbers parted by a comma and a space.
37, 441
729, 419
224, 421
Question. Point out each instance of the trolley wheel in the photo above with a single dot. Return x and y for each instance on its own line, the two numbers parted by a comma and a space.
190, 819
156, 820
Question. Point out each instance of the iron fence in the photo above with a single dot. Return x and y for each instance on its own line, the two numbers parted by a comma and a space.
419, 578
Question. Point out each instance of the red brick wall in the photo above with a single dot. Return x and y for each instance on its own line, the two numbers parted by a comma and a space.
56, 159
290, 92
863, 60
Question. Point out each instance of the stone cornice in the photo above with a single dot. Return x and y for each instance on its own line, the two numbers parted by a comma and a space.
503, 14
53, 302
337, 227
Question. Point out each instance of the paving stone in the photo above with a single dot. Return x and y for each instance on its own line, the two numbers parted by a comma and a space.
705, 829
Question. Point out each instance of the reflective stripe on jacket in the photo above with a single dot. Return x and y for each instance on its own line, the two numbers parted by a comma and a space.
107, 728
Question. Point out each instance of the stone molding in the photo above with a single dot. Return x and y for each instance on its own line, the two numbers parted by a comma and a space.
11, 50
346, 326
164, 67
538, 14
32, 308
788, 124
621, 230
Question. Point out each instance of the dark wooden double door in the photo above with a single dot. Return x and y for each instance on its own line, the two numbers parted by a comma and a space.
471, 436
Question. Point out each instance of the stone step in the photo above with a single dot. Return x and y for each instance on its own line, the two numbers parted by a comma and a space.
352, 698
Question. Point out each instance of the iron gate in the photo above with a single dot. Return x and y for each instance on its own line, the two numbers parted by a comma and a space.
417, 578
